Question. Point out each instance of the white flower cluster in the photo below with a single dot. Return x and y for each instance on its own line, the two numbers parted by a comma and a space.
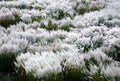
11, 43
40, 64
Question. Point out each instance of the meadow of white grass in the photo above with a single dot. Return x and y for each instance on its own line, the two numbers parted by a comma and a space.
60, 40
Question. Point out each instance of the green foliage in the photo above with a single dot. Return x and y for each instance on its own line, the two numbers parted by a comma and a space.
86, 8
36, 18
74, 74
50, 26
52, 77
82, 10
39, 8
67, 27
22, 76
8, 77
6, 22
7, 63
98, 77
115, 53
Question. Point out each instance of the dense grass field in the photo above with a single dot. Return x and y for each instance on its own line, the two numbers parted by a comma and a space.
59, 40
